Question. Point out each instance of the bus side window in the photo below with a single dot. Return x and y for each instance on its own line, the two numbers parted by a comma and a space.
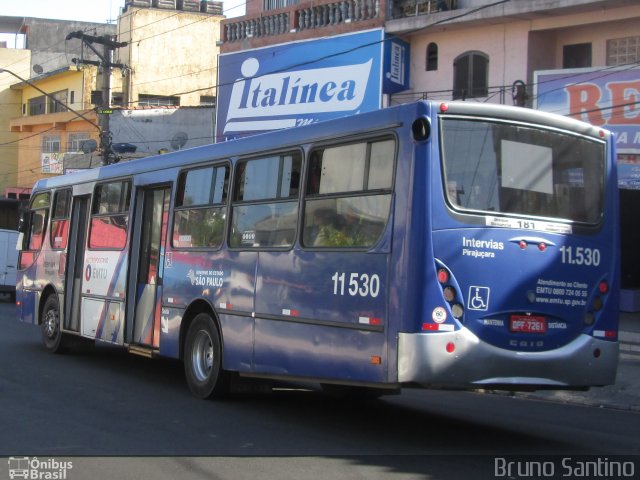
348, 194
38, 221
60, 219
265, 208
38, 226
110, 216
200, 212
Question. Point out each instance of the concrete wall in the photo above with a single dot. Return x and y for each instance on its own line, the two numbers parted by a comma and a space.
153, 129
505, 45
10, 100
170, 53
46, 39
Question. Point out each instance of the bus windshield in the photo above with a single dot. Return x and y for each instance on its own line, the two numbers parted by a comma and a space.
510, 168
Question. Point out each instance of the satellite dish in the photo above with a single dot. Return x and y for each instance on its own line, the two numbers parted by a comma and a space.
89, 146
179, 140
38, 69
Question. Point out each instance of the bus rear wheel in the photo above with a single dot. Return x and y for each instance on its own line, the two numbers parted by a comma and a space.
51, 332
203, 359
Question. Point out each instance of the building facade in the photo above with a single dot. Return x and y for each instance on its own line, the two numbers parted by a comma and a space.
168, 60
171, 52
47, 130
11, 102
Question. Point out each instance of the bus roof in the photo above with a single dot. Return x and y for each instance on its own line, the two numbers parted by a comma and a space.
369, 121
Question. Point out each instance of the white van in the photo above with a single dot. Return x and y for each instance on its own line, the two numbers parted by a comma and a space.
8, 262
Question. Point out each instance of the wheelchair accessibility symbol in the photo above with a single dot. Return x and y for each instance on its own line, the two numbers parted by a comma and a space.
478, 298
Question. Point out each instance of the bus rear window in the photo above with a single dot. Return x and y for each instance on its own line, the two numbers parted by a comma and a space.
505, 168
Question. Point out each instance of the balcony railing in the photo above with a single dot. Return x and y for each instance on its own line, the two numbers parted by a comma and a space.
304, 17
412, 8
257, 27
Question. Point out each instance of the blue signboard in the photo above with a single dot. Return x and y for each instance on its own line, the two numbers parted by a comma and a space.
605, 97
299, 83
629, 172
396, 65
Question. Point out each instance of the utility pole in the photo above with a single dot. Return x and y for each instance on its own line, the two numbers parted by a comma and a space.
106, 63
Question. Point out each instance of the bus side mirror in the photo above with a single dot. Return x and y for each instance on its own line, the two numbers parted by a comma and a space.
421, 129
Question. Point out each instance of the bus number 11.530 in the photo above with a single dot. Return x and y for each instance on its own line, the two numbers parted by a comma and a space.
580, 256
361, 284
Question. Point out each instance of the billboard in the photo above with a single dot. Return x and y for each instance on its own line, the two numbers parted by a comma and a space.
396, 65
52, 162
299, 83
607, 97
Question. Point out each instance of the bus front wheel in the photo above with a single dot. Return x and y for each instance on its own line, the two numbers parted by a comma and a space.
51, 333
203, 359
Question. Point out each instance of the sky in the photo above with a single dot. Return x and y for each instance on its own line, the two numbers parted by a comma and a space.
100, 11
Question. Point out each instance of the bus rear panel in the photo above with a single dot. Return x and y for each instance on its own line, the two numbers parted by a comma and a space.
523, 287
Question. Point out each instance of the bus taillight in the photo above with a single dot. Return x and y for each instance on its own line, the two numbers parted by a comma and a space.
450, 347
596, 305
443, 276
449, 294
457, 310
603, 287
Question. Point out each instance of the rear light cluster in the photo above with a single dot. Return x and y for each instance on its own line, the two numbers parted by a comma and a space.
450, 293
596, 303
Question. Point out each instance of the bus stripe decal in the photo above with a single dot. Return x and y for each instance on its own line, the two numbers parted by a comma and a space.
110, 291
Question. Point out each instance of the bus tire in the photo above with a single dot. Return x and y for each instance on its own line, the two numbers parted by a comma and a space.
203, 359
51, 333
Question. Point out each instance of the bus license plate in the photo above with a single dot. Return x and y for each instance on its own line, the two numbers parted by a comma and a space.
527, 324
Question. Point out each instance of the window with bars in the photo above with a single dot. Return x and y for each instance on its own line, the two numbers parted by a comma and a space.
158, 100
51, 144
75, 141
208, 100
622, 51
275, 4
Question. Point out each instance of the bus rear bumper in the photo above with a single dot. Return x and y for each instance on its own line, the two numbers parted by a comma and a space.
424, 358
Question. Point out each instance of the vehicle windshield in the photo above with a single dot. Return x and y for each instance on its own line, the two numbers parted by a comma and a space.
505, 168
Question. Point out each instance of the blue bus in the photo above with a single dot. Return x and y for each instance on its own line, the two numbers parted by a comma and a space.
451, 245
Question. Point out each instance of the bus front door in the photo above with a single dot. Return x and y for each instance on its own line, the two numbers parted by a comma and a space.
145, 273
75, 262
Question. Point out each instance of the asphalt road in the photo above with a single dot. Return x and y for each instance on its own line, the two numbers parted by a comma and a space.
101, 401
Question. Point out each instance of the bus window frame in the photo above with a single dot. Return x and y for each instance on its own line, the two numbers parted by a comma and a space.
128, 212
27, 256
66, 217
45, 223
225, 204
233, 203
390, 191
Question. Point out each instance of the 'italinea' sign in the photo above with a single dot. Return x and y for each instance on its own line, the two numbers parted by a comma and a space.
285, 86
